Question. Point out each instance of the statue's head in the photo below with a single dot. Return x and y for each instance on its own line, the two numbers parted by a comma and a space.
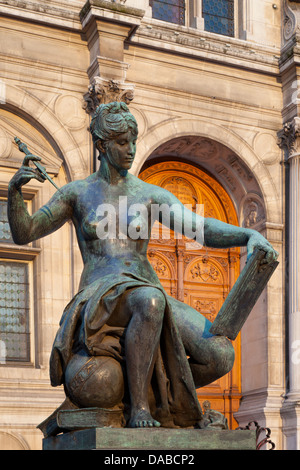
109, 121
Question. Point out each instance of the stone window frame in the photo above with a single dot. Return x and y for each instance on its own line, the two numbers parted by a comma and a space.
27, 254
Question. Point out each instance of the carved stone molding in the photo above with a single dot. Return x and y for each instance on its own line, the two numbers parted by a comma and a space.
159, 263
205, 272
224, 172
199, 43
104, 91
289, 21
288, 138
160, 268
240, 168
223, 261
200, 147
180, 253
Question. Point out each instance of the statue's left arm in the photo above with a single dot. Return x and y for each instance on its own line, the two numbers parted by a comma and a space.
212, 232
218, 234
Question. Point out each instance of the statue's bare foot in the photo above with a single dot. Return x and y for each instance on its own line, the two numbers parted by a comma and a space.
143, 419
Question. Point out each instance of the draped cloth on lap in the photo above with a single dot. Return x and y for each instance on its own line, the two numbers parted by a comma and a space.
177, 404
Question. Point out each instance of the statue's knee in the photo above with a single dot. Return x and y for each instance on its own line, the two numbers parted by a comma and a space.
220, 355
225, 355
94, 381
148, 302
155, 300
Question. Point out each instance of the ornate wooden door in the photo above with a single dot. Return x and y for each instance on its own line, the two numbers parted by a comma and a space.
202, 277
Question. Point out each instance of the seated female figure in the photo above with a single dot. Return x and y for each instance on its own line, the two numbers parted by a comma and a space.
122, 337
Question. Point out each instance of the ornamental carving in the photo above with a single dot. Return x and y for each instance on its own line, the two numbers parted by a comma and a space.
182, 189
240, 168
288, 137
203, 149
222, 261
104, 91
226, 175
289, 21
199, 147
209, 209
159, 266
170, 256
175, 146
208, 308
253, 212
205, 271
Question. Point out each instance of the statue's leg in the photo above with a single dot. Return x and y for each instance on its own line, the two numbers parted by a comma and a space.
211, 357
142, 311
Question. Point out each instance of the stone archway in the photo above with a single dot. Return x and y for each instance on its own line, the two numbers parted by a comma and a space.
50, 123
155, 138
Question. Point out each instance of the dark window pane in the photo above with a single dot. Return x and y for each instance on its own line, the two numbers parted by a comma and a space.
172, 11
219, 16
14, 311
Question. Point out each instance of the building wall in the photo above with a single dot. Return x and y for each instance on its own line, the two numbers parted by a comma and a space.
187, 82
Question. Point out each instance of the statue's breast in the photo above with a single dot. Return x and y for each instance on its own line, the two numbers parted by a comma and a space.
89, 224
108, 221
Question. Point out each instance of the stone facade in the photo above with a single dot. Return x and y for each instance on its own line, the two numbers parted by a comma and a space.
237, 96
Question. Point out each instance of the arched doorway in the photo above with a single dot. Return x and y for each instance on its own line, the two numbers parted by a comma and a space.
201, 278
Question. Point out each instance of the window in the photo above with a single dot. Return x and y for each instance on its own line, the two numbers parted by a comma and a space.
15, 294
218, 16
14, 310
172, 11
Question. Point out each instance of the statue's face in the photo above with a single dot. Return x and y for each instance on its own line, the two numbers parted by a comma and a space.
121, 150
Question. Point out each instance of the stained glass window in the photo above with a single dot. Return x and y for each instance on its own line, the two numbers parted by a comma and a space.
172, 11
219, 16
14, 311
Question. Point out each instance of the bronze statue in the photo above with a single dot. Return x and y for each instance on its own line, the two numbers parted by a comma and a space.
123, 343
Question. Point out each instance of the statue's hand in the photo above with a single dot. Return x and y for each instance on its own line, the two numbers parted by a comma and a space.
256, 240
26, 173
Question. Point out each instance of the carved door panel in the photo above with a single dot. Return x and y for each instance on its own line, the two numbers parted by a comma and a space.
201, 277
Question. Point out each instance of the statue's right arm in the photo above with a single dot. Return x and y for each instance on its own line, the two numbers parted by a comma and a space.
26, 228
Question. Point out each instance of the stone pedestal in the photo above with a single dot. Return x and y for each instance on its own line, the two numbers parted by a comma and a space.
152, 439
